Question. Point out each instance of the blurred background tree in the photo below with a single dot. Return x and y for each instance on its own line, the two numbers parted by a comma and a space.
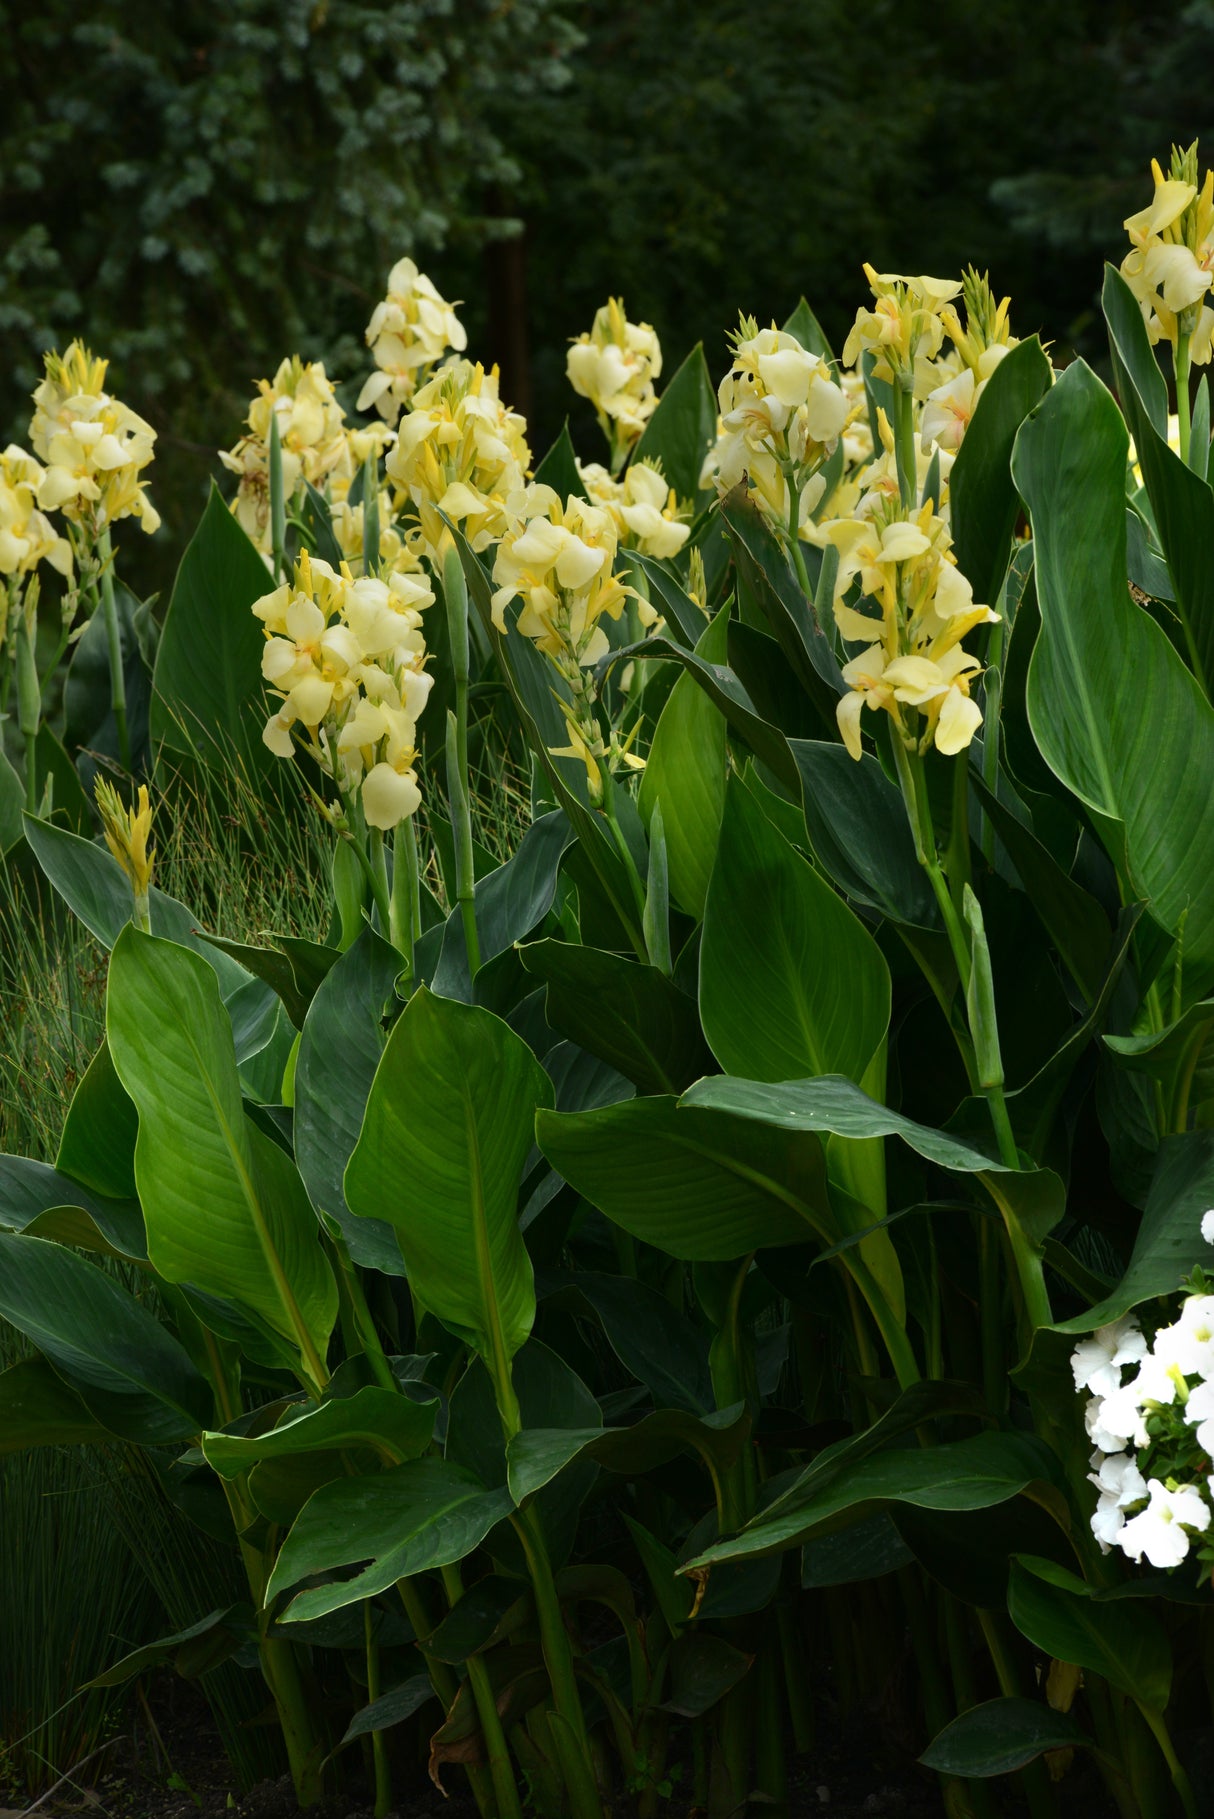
200, 189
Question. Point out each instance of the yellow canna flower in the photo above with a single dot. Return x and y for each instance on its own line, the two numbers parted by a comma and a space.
648, 516
27, 536
94, 447
345, 657
1170, 264
409, 332
312, 437
904, 330
459, 452
912, 656
614, 364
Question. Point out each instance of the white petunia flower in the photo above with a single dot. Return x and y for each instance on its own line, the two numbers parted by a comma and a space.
1161, 1530
1097, 1360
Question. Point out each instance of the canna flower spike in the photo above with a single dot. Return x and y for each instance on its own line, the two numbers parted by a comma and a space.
614, 364
409, 332
1170, 264
94, 446
127, 832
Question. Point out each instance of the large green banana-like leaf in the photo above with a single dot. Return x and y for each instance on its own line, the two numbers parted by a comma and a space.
126, 1368
685, 775
1113, 709
224, 1206
449, 1124
791, 982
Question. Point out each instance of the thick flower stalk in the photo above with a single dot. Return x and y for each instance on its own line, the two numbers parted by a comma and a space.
648, 515
459, 453
94, 447
614, 364
912, 666
345, 658
558, 560
409, 332
312, 438
782, 414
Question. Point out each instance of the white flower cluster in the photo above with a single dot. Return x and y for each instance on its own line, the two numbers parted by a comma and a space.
1150, 1417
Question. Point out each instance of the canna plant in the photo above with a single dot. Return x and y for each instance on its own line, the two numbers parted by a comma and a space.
599, 1293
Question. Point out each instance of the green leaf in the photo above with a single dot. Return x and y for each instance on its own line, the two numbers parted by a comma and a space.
726, 692
204, 1645
701, 1185
666, 591
488, 1611
655, 1342
834, 1104
1123, 1642
95, 888
959, 1475
97, 1146
125, 1367
71, 807
393, 1426
808, 331
983, 502
1000, 1736
703, 1668
626, 1013
339, 1051
765, 574
390, 1708
1071, 917
865, 1550
12, 805
208, 697
859, 832
558, 468
1181, 499
47, 1203
225, 1208
536, 1455
509, 902
817, 988
684, 776
1137, 754
428, 1513
448, 1127
1169, 1240
683, 427
37, 1408
274, 967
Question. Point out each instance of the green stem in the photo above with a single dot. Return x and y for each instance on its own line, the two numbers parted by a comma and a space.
459, 799
113, 640
994, 1378
29, 707
379, 1755
794, 533
1034, 1778
404, 910
584, 1801
461, 831
1180, 1781
371, 514
904, 444
364, 1324
501, 1771
992, 691
377, 875
1181, 362
445, 1684
278, 502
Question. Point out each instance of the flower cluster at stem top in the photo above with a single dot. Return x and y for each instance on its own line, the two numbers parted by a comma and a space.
345, 657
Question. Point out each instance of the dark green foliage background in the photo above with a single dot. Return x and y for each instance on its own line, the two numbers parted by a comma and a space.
200, 189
